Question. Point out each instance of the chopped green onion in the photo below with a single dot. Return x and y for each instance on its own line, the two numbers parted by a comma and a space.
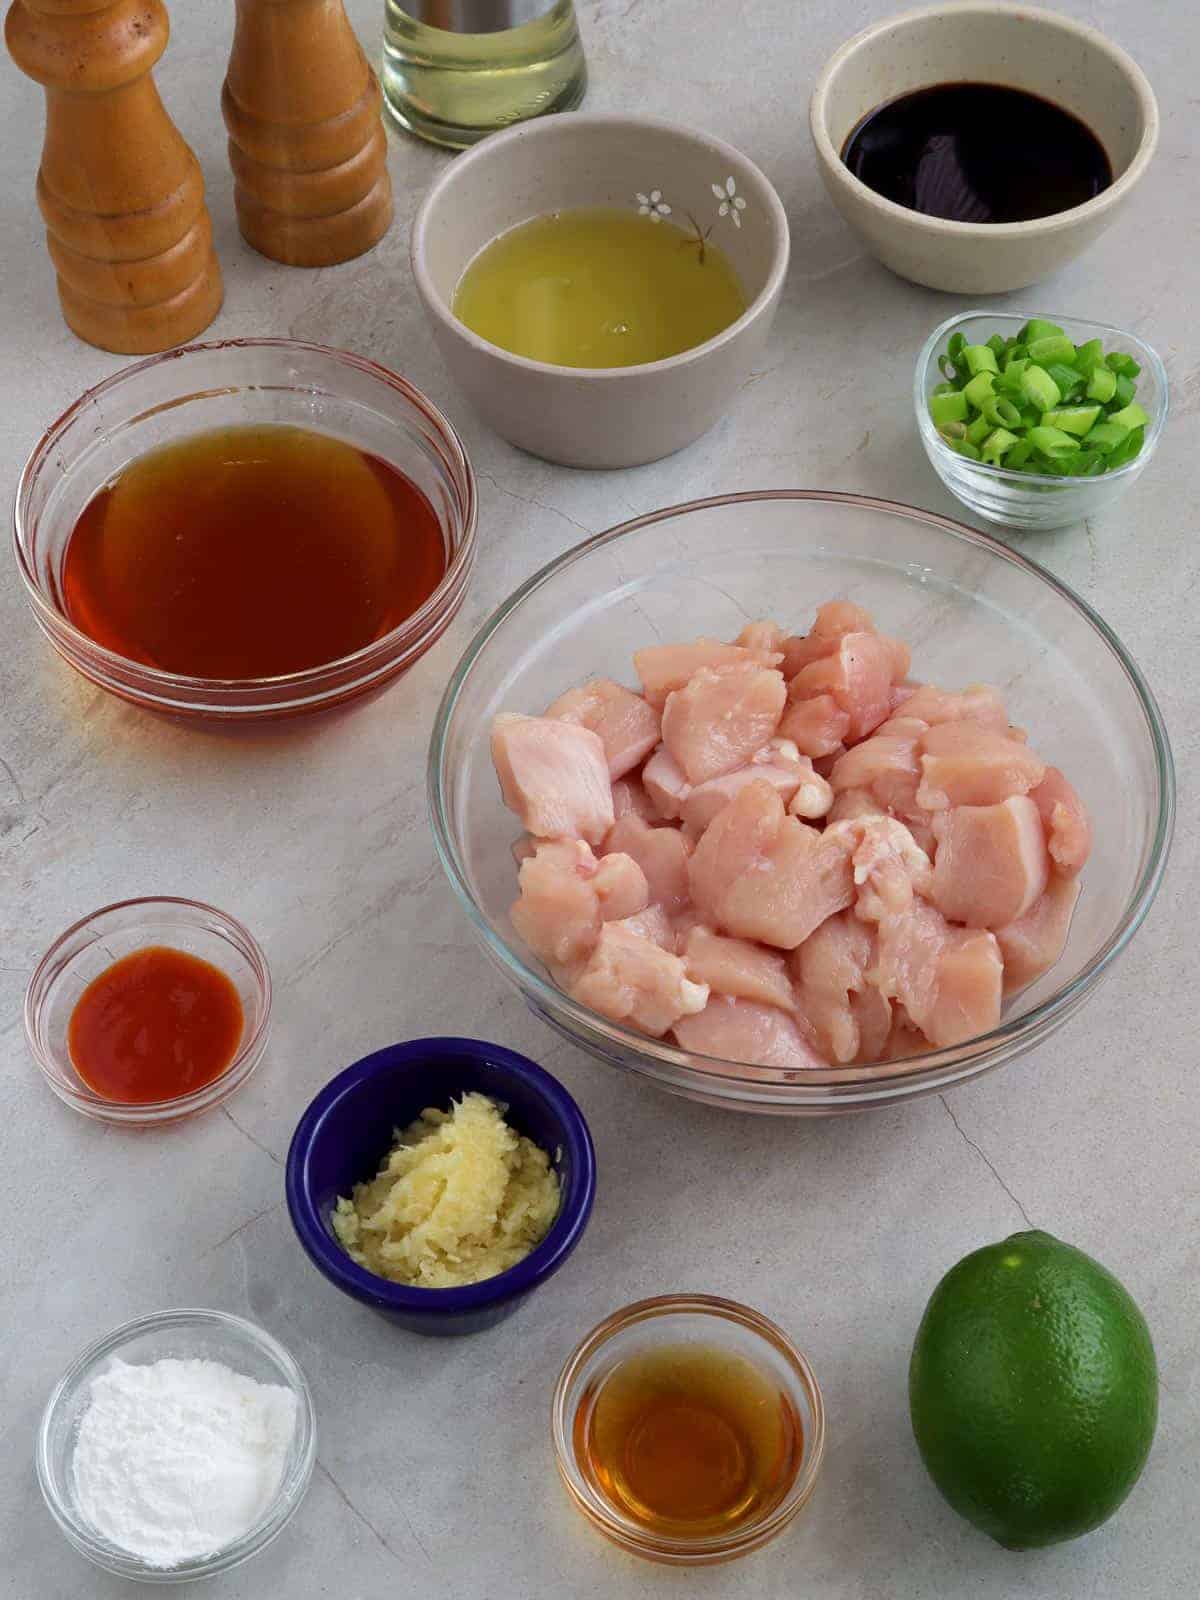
1125, 389
997, 445
1038, 328
979, 388
980, 358
1119, 362
947, 368
1089, 356
1072, 419
996, 345
1130, 416
1102, 384
978, 430
1039, 388
952, 407
1106, 436
1127, 449
1018, 455
1052, 443
1051, 347
1001, 413
956, 346
962, 448
1067, 379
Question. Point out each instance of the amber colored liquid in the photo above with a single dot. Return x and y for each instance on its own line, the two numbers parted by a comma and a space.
155, 1025
688, 1440
251, 552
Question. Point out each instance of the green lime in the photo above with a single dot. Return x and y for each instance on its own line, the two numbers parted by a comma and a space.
1033, 1390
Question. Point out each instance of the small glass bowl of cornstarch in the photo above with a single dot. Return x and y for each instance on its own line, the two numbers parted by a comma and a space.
177, 1446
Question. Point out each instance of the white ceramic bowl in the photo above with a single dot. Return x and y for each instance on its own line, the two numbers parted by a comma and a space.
601, 416
981, 41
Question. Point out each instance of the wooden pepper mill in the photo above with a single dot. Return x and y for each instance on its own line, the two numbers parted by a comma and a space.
119, 189
306, 141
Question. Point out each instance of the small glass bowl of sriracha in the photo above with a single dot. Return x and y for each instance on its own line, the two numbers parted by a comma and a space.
149, 1011
1036, 422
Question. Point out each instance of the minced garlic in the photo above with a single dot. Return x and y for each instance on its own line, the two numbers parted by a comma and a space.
460, 1197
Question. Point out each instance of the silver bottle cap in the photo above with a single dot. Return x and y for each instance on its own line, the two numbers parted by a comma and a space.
476, 16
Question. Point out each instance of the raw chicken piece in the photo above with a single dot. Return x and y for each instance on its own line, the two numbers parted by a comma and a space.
858, 674
665, 784
852, 803
759, 874
554, 775
621, 887
947, 979
886, 764
627, 727
778, 763
964, 764
991, 863
979, 702
523, 848
666, 667
654, 924
766, 637
562, 885
1065, 819
1032, 945
661, 853
742, 1030
630, 797
834, 620
720, 717
850, 1019
817, 726
814, 798
737, 967
890, 868
628, 978
904, 1040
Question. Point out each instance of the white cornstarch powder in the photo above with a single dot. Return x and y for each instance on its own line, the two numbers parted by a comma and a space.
175, 1460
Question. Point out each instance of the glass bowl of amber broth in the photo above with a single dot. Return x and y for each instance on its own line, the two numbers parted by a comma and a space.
972, 610
151, 412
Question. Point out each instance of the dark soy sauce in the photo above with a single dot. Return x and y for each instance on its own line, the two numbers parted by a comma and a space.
978, 152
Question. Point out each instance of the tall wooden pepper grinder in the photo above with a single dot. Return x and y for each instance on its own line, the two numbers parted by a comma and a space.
306, 141
119, 189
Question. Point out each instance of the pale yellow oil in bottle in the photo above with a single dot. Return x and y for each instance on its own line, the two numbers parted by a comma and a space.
599, 288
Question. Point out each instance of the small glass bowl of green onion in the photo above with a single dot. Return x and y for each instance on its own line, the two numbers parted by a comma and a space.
1036, 422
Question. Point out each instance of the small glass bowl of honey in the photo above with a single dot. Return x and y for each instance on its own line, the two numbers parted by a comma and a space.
247, 529
149, 1011
688, 1429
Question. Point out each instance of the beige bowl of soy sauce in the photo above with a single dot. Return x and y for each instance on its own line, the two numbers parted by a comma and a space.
979, 147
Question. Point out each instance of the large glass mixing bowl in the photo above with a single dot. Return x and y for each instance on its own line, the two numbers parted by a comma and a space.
972, 610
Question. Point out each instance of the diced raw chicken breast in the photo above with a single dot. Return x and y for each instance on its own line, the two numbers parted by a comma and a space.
661, 853
947, 979
621, 887
629, 978
742, 1030
523, 848
554, 775
965, 764
663, 668
1065, 819
834, 620
1032, 945
720, 717
737, 967
977, 703
778, 763
814, 797
904, 1039
991, 863
766, 637
630, 798
817, 726
849, 1017
654, 924
562, 885
852, 803
886, 764
760, 874
627, 727
666, 784
858, 674
890, 867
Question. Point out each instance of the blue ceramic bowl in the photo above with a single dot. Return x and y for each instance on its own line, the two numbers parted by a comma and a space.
347, 1130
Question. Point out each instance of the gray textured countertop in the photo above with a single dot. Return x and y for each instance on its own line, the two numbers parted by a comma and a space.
435, 1474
